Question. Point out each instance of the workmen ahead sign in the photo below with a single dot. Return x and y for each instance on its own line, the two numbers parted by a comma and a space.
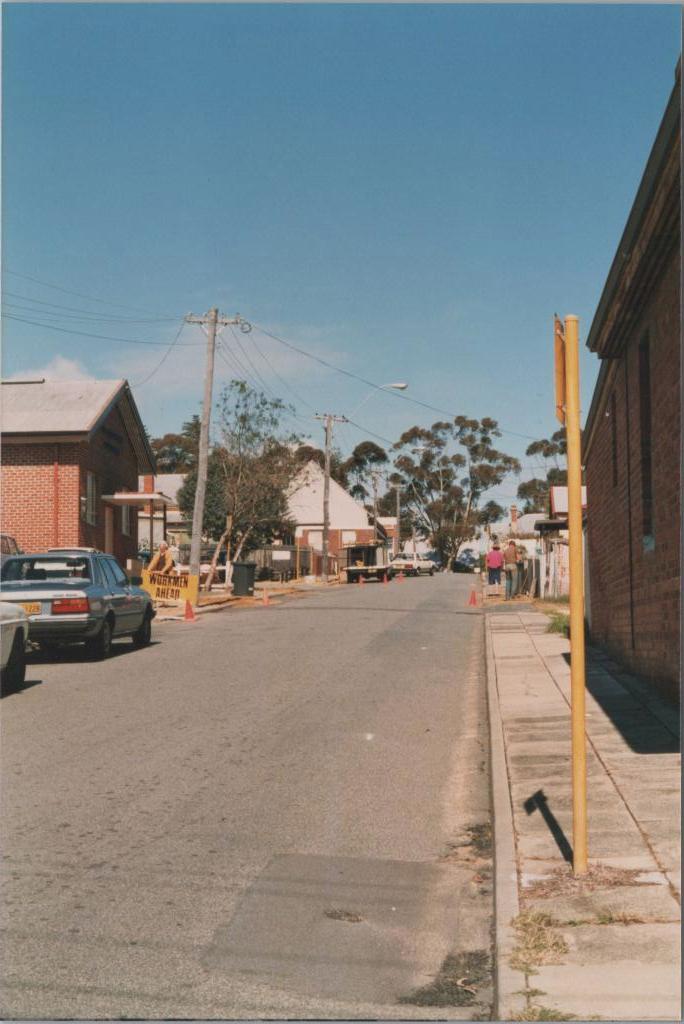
163, 586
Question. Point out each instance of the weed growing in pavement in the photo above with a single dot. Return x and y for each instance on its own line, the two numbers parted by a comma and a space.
562, 882
559, 622
481, 838
535, 1012
609, 916
456, 983
343, 915
537, 941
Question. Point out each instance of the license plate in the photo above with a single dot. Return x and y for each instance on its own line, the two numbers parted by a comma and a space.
31, 607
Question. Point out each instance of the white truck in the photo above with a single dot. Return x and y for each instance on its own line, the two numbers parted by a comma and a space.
412, 565
367, 561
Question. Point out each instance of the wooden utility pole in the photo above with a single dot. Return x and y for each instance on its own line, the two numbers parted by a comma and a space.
211, 321
374, 478
397, 538
328, 419
568, 412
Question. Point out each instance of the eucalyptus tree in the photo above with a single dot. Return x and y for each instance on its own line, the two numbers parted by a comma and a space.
445, 471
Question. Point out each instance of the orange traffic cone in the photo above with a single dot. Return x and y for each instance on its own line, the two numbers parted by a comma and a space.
264, 600
473, 597
189, 613
361, 579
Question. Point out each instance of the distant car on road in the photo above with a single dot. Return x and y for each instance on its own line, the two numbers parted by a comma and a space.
78, 598
14, 632
413, 565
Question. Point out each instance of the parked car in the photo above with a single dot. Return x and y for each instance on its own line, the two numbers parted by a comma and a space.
413, 565
8, 546
78, 598
14, 633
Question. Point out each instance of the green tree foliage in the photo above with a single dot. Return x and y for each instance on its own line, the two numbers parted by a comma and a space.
250, 471
445, 470
177, 453
309, 453
535, 492
359, 468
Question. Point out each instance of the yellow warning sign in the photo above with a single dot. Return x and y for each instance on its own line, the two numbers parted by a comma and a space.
164, 586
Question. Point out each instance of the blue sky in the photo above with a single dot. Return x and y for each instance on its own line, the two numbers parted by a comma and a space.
407, 191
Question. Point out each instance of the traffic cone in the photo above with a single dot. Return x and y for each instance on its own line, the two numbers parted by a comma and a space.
189, 613
473, 597
400, 577
361, 579
264, 599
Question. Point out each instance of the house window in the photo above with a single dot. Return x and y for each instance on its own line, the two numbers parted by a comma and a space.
126, 520
645, 427
91, 499
613, 437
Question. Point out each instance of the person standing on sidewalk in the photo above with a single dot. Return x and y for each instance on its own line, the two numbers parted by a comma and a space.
494, 562
510, 564
522, 571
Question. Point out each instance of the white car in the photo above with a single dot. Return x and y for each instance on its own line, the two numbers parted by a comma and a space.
412, 565
13, 640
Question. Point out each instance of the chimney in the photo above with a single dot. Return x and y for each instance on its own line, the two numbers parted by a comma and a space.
148, 484
514, 518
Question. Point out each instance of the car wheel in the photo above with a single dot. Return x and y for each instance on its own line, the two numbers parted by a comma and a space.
100, 647
432, 572
143, 635
14, 672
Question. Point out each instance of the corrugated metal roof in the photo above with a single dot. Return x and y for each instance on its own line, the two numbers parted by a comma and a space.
55, 406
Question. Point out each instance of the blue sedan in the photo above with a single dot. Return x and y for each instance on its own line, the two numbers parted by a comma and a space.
78, 598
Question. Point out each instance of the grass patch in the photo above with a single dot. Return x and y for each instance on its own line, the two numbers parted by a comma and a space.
456, 983
559, 622
538, 942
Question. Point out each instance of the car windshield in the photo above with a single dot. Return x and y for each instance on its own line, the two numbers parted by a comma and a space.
29, 570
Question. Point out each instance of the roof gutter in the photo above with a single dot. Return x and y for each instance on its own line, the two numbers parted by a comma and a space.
649, 182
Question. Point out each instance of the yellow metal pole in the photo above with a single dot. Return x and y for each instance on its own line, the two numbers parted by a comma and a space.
577, 674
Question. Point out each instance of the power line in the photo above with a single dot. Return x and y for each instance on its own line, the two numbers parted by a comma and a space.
82, 295
103, 337
89, 312
140, 383
281, 379
372, 384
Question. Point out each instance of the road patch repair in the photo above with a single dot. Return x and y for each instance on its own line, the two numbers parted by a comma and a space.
365, 931
604, 945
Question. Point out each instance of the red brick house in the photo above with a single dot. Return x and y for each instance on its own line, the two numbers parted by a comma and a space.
69, 451
633, 430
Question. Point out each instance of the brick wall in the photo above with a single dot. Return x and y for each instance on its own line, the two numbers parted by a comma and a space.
635, 592
42, 486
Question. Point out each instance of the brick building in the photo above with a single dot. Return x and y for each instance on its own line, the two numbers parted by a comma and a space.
632, 435
70, 450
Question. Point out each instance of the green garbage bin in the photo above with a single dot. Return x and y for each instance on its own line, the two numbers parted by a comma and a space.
243, 578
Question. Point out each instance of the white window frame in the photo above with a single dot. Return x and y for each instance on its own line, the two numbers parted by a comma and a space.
91, 498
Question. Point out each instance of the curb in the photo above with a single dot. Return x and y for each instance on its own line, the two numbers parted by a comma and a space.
508, 984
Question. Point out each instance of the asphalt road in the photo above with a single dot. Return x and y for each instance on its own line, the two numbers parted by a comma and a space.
267, 813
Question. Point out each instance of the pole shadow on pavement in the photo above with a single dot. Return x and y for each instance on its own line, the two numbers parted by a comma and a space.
539, 802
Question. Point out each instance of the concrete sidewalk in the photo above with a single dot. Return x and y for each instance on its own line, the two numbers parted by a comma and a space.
606, 947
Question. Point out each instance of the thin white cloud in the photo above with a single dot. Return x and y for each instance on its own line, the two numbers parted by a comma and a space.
59, 368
